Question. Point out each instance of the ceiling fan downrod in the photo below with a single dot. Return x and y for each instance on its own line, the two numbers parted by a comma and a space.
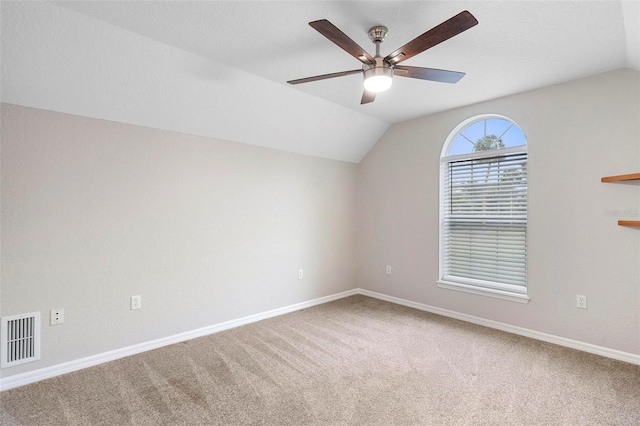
377, 35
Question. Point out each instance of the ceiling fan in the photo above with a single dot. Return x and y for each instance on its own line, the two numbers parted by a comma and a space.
378, 72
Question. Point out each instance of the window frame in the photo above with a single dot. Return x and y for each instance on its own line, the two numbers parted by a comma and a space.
509, 292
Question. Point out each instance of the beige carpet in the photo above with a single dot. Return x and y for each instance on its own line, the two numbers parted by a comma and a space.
356, 361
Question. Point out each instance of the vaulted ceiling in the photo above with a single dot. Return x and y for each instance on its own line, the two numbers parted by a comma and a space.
219, 69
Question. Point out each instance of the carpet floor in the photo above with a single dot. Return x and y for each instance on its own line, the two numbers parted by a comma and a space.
355, 361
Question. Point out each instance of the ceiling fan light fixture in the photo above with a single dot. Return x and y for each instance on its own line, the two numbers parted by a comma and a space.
378, 83
379, 77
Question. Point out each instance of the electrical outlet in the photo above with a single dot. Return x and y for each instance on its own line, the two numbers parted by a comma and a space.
136, 302
57, 316
388, 269
300, 274
581, 302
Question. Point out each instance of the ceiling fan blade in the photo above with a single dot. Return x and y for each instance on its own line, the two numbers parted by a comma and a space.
324, 76
436, 35
367, 97
432, 74
343, 41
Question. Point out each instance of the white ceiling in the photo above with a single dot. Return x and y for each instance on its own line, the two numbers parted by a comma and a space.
248, 50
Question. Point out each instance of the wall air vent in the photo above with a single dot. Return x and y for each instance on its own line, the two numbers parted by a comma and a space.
20, 339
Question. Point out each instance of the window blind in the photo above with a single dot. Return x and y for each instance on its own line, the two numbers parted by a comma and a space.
485, 221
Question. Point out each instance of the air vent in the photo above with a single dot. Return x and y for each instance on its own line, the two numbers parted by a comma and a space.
20, 339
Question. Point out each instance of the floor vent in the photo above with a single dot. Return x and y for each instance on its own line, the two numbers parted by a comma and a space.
20, 339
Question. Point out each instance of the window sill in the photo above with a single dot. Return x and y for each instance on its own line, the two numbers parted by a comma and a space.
488, 292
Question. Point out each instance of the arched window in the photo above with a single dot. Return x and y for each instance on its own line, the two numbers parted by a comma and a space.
483, 209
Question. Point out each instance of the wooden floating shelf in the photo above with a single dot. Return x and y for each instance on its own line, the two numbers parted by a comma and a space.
629, 222
619, 178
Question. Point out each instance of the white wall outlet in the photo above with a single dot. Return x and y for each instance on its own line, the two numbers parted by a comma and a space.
57, 316
388, 269
136, 302
300, 274
581, 302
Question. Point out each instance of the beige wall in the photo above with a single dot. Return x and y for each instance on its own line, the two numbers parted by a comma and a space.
206, 231
209, 231
577, 132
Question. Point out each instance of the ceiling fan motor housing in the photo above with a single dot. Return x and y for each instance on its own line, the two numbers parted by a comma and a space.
377, 76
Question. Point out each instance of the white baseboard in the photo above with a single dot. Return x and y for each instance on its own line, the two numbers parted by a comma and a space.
562, 341
67, 367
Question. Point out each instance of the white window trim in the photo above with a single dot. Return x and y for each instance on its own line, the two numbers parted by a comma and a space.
484, 291
466, 285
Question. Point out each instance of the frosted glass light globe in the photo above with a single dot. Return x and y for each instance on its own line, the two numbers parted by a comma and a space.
378, 83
